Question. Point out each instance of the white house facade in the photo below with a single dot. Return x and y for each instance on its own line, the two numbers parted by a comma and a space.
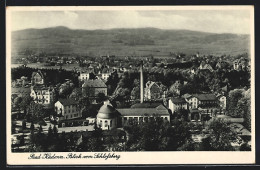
67, 109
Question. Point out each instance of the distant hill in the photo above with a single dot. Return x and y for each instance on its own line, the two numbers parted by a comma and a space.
141, 41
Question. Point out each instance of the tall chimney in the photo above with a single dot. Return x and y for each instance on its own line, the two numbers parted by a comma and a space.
141, 83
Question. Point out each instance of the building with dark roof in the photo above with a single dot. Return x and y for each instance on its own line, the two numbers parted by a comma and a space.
205, 97
38, 78
205, 105
108, 117
137, 115
146, 105
92, 88
152, 91
205, 66
67, 109
86, 74
106, 72
42, 95
201, 100
176, 104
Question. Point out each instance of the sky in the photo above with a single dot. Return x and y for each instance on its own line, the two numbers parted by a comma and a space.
216, 21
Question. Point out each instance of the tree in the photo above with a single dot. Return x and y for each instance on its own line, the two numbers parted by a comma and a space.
25, 102
40, 129
112, 82
35, 112
62, 144
205, 145
82, 144
245, 147
157, 135
187, 146
135, 93
101, 97
96, 142
233, 97
13, 127
24, 125
32, 127
55, 131
221, 135
17, 102
83, 106
76, 94
182, 132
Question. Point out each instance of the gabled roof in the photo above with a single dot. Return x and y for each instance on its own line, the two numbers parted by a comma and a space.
205, 96
160, 111
40, 87
107, 70
146, 105
68, 102
87, 71
178, 100
240, 129
94, 83
21, 90
38, 72
205, 66
186, 96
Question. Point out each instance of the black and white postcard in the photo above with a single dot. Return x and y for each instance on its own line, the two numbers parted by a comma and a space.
130, 85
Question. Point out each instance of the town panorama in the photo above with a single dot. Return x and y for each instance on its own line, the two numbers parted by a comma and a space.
146, 100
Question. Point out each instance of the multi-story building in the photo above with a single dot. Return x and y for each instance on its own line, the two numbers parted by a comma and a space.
85, 75
92, 88
42, 95
204, 104
67, 109
106, 72
205, 66
240, 64
152, 91
176, 104
222, 101
38, 78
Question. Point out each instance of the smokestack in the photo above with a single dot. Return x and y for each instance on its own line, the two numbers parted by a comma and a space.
141, 83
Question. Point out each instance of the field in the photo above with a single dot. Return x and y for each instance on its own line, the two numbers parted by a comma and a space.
125, 42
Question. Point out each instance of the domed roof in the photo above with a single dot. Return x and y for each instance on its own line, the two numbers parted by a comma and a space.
106, 112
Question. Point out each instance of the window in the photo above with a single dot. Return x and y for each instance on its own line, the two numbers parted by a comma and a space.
101, 123
105, 123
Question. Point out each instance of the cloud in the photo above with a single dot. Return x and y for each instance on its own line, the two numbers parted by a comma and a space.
71, 15
221, 21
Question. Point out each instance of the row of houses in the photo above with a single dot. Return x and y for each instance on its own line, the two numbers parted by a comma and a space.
199, 105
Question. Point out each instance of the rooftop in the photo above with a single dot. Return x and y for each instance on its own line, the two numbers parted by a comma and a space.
94, 83
146, 105
68, 102
205, 96
106, 112
160, 111
178, 100
21, 90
